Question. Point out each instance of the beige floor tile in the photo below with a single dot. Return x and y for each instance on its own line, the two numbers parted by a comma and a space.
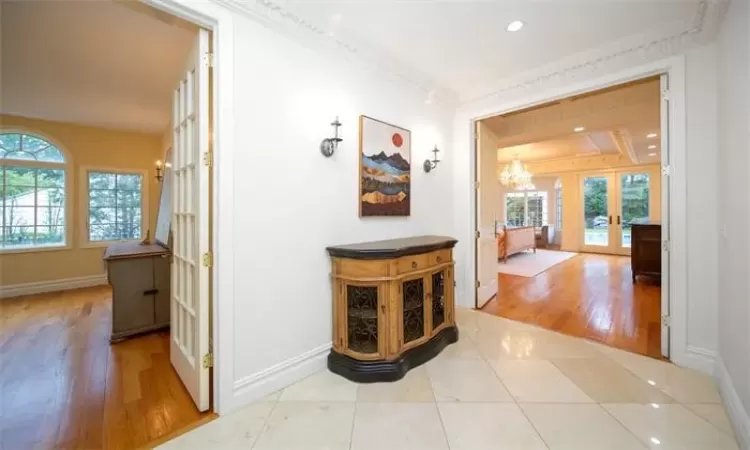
322, 386
466, 381
579, 427
237, 430
608, 382
671, 427
535, 381
308, 426
488, 426
463, 349
398, 426
414, 387
683, 385
531, 344
715, 414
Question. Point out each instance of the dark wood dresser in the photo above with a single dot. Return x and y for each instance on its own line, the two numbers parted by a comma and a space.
646, 248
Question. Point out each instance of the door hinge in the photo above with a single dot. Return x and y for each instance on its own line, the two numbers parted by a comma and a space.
665, 170
208, 360
208, 159
665, 245
477, 234
666, 321
665, 95
477, 284
208, 59
476, 185
208, 259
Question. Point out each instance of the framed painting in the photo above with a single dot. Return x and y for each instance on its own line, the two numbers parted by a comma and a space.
384, 169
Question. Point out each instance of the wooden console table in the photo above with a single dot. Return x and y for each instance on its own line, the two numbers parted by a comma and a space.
393, 306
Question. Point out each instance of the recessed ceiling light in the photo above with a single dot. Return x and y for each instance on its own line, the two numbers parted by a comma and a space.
578, 129
655, 405
515, 25
655, 441
651, 147
651, 135
652, 382
652, 154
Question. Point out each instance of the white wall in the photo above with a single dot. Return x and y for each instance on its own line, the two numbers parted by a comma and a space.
732, 195
291, 202
702, 208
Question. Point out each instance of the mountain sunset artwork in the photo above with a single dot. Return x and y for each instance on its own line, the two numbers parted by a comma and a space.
385, 169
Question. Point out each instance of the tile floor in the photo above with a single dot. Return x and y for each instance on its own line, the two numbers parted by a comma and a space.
504, 385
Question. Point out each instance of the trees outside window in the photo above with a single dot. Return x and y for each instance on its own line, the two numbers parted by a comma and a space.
115, 206
526, 208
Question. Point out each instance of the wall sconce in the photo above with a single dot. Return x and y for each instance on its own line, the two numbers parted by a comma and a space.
429, 165
159, 171
329, 145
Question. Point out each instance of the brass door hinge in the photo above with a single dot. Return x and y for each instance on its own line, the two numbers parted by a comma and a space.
208, 159
476, 234
208, 59
208, 259
477, 283
208, 360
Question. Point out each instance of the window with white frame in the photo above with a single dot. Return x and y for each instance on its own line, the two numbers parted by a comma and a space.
116, 207
32, 191
526, 208
558, 206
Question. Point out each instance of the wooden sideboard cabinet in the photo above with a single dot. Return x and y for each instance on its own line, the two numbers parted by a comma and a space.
645, 255
140, 279
393, 306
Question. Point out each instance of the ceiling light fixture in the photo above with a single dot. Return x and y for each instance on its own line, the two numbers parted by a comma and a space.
651, 147
652, 154
655, 441
515, 25
579, 129
515, 175
651, 135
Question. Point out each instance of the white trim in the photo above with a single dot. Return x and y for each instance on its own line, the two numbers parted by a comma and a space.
83, 198
464, 191
218, 18
739, 417
698, 358
39, 287
281, 375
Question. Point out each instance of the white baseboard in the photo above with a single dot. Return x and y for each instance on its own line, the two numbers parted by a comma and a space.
15, 290
256, 386
737, 414
697, 358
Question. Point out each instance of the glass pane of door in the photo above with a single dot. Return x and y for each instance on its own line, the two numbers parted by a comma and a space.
634, 193
596, 211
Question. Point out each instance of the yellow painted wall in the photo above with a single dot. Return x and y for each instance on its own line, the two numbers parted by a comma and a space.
89, 147
572, 201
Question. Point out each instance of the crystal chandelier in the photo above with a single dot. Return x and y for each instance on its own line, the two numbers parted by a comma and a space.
516, 176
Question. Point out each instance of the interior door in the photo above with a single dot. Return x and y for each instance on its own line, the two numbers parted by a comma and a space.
487, 198
599, 206
665, 211
189, 332
633, 204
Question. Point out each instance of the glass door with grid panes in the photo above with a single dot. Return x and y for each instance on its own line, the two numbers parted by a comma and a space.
528, 208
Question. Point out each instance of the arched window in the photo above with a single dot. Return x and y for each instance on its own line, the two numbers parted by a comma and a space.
32, 189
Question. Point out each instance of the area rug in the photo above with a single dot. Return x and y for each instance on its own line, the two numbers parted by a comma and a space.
529, 264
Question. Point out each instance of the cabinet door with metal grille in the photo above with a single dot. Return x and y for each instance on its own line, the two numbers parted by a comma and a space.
364, 321
413, 330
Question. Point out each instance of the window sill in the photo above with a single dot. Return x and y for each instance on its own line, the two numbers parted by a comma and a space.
47, 248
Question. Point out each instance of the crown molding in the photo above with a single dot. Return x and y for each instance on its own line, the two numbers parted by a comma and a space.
282, 19
634, 50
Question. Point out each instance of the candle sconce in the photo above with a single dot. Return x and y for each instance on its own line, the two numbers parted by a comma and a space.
159, 171
429, 165
329, 145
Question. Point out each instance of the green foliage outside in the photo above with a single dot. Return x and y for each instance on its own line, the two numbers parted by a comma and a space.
634, 199
114, 206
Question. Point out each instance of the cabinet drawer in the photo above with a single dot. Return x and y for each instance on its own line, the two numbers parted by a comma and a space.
439, 257
412, 263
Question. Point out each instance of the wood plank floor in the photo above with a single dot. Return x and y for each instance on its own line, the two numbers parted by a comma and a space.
62, 385
590, 296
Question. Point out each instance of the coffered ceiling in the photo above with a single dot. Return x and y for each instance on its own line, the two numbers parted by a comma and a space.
614, 121
103, 63
462, 47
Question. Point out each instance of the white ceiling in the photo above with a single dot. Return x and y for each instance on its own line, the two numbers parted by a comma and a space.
615, 121
462, 45
104, 63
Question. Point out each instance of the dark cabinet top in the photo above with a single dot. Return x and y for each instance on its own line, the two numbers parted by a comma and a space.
122, 250
392, 248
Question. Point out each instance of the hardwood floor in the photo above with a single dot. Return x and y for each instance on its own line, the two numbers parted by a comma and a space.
590, 296
62, 385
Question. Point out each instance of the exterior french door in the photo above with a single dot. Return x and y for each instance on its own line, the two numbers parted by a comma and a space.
612, 202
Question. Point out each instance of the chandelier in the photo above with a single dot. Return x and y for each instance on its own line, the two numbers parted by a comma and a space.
516, 176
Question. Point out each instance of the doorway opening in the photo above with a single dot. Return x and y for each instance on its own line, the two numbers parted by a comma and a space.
572, 212
105, 161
